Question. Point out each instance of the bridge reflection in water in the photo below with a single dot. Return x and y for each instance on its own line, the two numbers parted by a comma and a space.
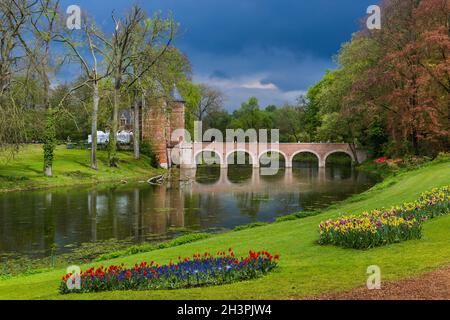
206, 199
286, 179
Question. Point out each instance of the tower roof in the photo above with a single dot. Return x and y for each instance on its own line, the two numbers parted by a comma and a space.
175, 94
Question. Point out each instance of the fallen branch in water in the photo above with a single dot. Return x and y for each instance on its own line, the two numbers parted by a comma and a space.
158, 180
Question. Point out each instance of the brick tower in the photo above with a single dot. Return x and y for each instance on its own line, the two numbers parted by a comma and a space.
159, 121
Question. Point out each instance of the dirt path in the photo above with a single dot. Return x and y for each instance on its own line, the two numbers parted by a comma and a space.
430, 286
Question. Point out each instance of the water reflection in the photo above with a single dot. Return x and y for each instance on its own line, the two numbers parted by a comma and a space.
205, 199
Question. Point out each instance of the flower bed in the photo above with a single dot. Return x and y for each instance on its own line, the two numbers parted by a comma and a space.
202, 269
380, 227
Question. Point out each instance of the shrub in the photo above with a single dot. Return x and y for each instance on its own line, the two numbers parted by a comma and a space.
297, 215
378, 167
201, 270
250, 226
380, 160
14, 178
147, 150
443, 157
380, 227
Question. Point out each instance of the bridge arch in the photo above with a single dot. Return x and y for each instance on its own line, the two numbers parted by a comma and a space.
188, 152
352, 157
286, 158
319, 158
221, 162
250, 154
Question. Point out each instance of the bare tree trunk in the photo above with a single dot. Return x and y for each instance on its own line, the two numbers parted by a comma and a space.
95, 102
354, 151
136, 133
48, 164
114, 126
49, 139
48, 171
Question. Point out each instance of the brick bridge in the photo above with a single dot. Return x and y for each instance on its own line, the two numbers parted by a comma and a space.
187, 154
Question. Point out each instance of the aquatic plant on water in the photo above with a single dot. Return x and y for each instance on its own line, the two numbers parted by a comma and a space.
200, 270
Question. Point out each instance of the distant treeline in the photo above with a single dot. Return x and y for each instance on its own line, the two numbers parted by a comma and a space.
390, 93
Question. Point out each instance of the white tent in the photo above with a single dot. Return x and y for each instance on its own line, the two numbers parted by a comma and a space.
124, 137
102, 137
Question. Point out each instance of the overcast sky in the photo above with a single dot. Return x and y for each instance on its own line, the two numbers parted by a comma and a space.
271, 49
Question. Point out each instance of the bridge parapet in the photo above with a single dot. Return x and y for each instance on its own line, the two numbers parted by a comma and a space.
188, 152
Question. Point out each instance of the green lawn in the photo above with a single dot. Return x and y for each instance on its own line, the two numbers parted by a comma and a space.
70, 167
305, 268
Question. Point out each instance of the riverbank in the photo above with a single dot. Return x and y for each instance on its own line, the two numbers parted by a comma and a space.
71, 167
306, 268
53, 227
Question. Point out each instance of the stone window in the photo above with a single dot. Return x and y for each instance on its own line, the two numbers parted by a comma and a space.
123, 121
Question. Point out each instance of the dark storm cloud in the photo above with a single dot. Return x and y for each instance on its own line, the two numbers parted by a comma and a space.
284, 45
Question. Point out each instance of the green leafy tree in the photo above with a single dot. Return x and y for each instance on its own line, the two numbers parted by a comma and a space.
250, 116
289, 120
192, 95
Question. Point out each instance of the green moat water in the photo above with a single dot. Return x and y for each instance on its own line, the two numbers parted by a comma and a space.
208, 199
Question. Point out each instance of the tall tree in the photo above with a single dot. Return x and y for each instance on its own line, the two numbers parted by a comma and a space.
250, 116
151, 41
14, 16
211, 101
391, 90
87, 51
290, 121
412, 74
44, 25
120, 61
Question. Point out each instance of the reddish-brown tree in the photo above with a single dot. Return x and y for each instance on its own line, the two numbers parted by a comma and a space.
410, 82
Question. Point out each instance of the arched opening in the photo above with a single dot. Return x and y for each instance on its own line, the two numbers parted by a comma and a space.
271, 159
208, 167
339, 158
273, 164
339, 165
239, 158
240, 166
207, 158
207, 174
305, 159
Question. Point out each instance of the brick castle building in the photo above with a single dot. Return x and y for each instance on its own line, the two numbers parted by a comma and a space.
158, 120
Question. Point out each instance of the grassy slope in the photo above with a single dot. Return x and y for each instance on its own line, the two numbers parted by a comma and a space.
305, 267
70, 167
